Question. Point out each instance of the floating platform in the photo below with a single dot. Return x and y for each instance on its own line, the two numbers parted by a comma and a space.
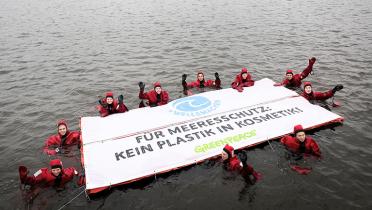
127, 147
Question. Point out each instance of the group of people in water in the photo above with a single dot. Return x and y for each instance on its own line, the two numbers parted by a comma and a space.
57, 176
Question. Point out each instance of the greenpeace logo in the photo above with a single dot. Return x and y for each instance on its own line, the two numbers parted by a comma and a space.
194, 106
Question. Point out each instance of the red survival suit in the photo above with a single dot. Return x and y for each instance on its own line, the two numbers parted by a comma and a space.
45, 178
316, 95
107, 109
234, 164
293, 144
70, 138
153, 98
296, 79
206, 83
239, 82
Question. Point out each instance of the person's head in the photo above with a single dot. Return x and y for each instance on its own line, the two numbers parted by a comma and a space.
157, 87
289, 74
109, 97
200, 76
56, 167
299, 133
244, 73
227, 152
62, 127
308, 88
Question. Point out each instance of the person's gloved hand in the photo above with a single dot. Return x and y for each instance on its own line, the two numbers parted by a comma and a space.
312, 60
217, 75
242, 157
58, 150
22, 173
141, 85
337, 88
184, 76
121, 99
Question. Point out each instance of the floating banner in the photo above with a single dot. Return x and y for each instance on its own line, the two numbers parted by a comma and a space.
126, 147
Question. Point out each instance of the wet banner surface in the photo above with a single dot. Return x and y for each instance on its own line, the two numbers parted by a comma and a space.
143, 142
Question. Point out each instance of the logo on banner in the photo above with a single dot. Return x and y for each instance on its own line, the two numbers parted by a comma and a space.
194, 106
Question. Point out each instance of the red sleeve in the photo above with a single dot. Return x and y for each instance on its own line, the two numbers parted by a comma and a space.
306, 71
38, 177
164, 98
75, 137
52, 140
235, 164
209, 83
283, 83
70, 172
315, 148
234, 84
249, 77
249, 83
143, 95
102, 111
284, 140
121, 108
323, 95
192, 84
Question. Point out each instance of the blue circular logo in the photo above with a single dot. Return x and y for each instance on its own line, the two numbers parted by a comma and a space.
194, 106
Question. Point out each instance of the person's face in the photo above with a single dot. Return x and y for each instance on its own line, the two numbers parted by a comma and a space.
301, 136
158, 90
200, 77
62, 130
308, 89
289, 76
109, 100
224, 155
56, 171
244, 75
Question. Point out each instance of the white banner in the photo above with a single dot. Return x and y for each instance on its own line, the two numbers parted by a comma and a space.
142, 142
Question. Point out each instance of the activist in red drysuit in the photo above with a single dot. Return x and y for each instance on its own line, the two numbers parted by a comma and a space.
310, 95
56, 177
234, 164
294, 80
200, 81
109, 105
155, 97
243, 79
63, 138
301, 143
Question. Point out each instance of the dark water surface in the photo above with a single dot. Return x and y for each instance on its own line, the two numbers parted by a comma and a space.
57, 56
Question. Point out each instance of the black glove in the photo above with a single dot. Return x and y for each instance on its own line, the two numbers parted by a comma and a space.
120, 99
184, 76
141, 85
100, 102
217, 75
337, 88
242, 157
